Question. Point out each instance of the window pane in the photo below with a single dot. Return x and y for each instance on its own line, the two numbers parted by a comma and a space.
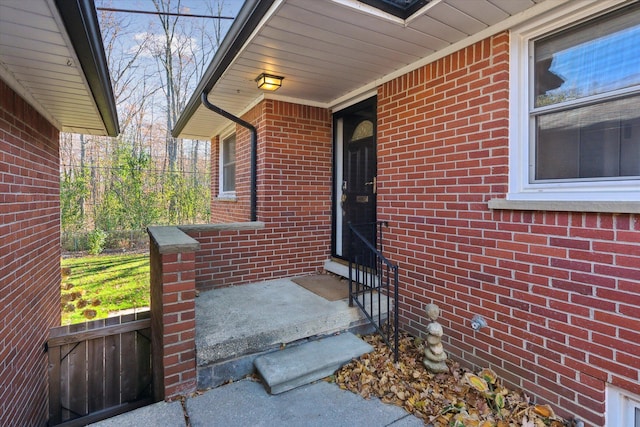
229, 150
229, 164
595, 58
596, 141
229, 178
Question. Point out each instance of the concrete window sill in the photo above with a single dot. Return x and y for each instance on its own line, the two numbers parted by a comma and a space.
226, 198
565, 206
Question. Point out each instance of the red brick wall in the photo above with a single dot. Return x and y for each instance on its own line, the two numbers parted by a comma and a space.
561, 291
29, 257
294, 200
173, 320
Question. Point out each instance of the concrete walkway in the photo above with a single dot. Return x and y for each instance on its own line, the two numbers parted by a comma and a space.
246, 403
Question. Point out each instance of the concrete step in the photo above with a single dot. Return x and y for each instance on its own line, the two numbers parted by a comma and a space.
295, 366
237, 324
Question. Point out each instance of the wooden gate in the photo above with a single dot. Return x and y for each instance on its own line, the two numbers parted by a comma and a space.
99, 369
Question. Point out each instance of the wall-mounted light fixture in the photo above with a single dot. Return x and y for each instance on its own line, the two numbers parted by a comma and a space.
269, 81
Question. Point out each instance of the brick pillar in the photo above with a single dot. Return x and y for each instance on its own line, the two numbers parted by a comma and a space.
173, 311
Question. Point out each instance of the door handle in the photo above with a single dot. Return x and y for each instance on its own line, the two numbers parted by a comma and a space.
374, 183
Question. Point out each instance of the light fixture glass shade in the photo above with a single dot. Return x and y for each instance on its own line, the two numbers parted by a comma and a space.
269, 81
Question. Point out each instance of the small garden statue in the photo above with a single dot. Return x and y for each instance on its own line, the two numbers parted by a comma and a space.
434, 354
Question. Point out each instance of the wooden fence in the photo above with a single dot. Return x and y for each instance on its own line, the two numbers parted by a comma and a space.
99, 369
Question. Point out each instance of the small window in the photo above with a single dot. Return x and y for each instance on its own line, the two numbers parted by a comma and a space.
623, 408
575, 129
228, 165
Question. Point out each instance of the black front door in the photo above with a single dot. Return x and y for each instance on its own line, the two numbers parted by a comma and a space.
357, 204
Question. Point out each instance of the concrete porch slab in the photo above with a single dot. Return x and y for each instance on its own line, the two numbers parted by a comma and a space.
244, 319
236, 324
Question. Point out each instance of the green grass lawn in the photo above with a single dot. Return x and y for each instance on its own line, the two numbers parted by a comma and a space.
93, 286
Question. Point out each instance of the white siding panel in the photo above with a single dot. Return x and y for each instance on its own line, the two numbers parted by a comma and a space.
33, 67
29, 19
322, 57
302, 86
301, 43
324, 67
31, 6
447, 33
296, 76
17, 56
375, 26
54, 87
457, 19
345, 38
513, 6
481, 10
7, 40
31, 33
355, 30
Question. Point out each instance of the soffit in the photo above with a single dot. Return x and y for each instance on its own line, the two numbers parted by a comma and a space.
329, 49
38, 61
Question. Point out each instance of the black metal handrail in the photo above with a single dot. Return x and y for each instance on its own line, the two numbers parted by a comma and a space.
375, 285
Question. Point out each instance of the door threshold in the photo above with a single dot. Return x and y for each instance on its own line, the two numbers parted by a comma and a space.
340, 267
337, 266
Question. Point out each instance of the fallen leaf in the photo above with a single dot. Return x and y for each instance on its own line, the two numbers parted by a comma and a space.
458, 397
488, 375
544, 411
476, 382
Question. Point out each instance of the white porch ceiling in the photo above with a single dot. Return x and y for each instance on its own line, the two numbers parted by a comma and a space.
330, 50
38, 61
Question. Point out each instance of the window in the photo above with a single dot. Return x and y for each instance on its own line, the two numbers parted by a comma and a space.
576, 100
228, 166
623, 408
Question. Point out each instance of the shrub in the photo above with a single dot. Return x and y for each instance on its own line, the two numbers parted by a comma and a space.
97, 241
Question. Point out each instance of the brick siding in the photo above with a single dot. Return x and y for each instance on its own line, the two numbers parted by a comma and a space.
173, 322
29, 257
294, 200
560, 291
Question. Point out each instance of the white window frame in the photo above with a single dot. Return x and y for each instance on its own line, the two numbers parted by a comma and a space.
621, 407
221, 193
521, 132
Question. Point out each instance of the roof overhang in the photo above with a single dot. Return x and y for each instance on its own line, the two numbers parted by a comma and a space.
51, 53
331, 52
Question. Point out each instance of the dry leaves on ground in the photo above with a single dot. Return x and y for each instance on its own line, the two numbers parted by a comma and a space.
455, 399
